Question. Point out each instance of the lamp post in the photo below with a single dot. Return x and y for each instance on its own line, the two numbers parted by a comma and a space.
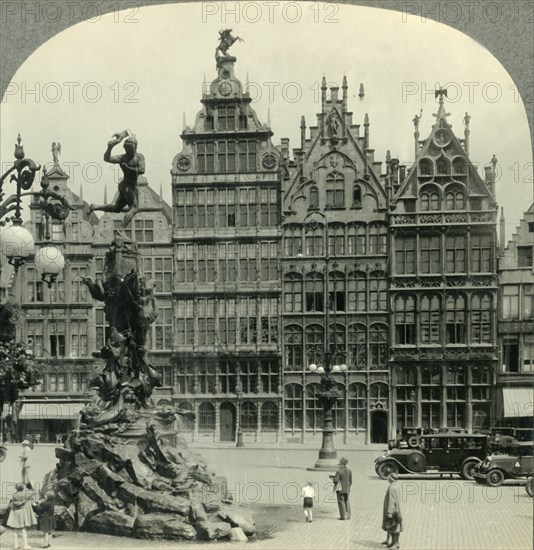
16, 242
329, 393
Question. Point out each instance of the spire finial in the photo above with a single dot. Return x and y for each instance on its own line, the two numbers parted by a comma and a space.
183, 120
441, 110
81, 192
105, 194
361, 94
269, 117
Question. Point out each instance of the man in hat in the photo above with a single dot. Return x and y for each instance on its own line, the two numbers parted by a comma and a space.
343, 476
26, 460
392, 515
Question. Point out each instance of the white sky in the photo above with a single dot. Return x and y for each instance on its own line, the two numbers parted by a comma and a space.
159, 58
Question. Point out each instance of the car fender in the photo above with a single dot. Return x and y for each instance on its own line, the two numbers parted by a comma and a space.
401, 466
471, 459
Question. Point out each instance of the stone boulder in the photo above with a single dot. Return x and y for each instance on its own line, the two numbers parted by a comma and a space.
163, 526
111, 522
212, 530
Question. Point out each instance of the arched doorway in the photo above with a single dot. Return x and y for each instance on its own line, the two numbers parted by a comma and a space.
227, 422
379, 426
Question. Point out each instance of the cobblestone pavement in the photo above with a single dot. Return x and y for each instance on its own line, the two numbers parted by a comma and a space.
439, 513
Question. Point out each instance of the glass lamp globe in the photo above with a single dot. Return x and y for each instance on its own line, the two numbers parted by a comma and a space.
313, 367
17, 244
343, 367
320, 370
336, 368
49, 261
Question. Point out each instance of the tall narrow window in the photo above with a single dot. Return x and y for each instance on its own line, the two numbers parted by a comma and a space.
336, 291
293, 343
481, 325
431, 385
293, 407
377, 292
357, 291
314, 197
405, 320
482, 253
455, 253
510, 301
335, 190
357, 406
378, 347
357, 347
314, 292
357, 196
430, 254
314, 343
455, 319
405, 255
429, 316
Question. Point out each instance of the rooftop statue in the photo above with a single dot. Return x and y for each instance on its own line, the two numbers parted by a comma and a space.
132, 165
225, 42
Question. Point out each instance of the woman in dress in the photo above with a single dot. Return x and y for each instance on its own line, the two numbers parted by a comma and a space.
21, 513
46, 521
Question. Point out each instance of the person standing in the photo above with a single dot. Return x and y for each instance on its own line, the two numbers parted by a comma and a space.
308, 492
26, 460
343, 478
45, 517
392, 514
21, 513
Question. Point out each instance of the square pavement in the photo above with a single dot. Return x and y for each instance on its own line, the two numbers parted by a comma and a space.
439, 514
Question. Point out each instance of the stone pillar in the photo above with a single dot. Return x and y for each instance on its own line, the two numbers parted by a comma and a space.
468, 403
258, 422
196, 407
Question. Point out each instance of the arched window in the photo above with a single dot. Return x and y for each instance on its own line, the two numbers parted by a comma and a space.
293, 407
292, 240
357, 406
378, 346
314, 343
336, 291
357, 347
429, 317
314, 409
458, 166
249, 416
337, 342
481, 325
357, 196
429, 201
426, 167
293, 347
443, 166
335, 190
314, 197
336, 239
293, 293
269, 416
378, 395
405, 320
187, 422
314, 292
314, 240
455, 319
455, 200
357, 291
206, 417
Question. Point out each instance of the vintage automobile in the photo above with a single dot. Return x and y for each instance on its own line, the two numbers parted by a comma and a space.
3, 453
447, 453
529, 486
516, 463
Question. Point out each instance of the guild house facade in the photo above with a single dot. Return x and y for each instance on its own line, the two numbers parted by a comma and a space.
273, 260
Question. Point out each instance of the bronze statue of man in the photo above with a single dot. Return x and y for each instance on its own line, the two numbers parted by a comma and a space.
132, 165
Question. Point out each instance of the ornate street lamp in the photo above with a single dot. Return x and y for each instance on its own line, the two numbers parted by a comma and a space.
16, 242
329, 393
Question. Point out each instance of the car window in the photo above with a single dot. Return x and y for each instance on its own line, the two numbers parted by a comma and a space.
438, 443
454, 443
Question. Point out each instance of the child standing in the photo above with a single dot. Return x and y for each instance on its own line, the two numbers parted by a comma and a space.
21, 514
308, 492
46, 521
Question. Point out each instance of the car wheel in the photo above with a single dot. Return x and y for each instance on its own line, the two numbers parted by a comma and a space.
494, 478
468, 469
413, 441
416, 462
386, 468
529, 486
